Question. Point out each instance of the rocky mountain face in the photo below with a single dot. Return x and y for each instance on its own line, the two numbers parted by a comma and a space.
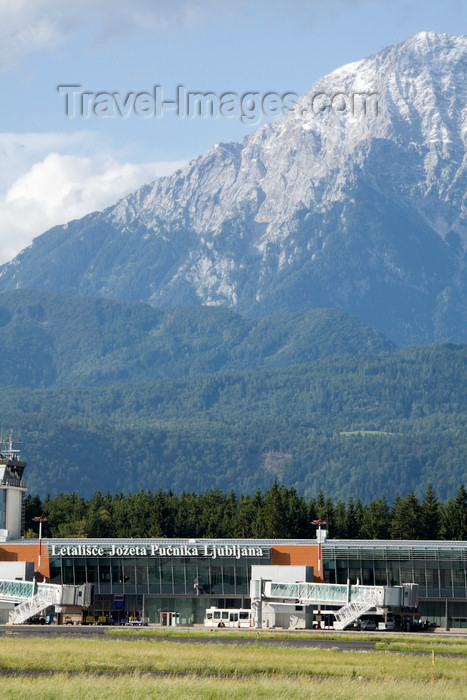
347, 202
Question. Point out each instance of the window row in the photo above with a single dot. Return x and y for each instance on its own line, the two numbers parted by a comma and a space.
438, 579
187, 576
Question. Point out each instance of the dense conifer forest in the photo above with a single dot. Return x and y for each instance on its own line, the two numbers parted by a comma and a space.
353, 426
107, 396
277, 513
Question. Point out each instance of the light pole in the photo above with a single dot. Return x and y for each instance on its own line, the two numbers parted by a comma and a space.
39, 519
319, 523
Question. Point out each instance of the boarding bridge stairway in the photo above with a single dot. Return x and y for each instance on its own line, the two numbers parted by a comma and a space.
35, 605
351, 612
354, 600
32, 598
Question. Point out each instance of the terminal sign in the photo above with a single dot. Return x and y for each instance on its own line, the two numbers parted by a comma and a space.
213, 551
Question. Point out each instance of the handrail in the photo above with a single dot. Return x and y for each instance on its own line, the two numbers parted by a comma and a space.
17, 590
21, 590
333, 593
8, 481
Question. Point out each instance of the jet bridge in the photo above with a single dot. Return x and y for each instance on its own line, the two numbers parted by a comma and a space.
353, 600
32, 598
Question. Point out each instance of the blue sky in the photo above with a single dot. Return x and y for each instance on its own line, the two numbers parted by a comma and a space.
54, 168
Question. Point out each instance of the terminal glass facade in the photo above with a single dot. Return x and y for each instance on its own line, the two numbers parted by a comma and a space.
440, 569
173, 580
152, 585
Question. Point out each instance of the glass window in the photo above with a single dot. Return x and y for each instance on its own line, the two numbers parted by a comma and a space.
445, 579
141, 572
80, 571
342, 571
117, 571
432, 578
104, 571
166, 576
92, 569
229, 579
68, 571
381, 576
354, 572
179, 576
216, 579
55, 568
192, 574
242, 578
458, 579
368, 576
420, 578
129, 576
154, 576
203, 576
394, 573
406, 572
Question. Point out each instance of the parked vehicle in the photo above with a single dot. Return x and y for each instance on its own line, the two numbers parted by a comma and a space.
388, 624
228, 617
367, 624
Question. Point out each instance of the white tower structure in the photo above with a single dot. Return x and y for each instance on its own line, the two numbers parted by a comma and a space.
12, 488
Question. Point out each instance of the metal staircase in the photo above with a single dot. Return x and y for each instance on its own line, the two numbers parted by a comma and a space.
32, 598
354, 600
351, 612
35, 605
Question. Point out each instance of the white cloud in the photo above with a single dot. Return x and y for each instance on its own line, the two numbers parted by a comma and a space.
27, 26
61, 187
18, 152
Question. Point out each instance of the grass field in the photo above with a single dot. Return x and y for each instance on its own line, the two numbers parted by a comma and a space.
143, 686
425, 643
144, 668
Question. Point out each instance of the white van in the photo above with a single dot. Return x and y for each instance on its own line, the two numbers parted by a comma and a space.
389, 624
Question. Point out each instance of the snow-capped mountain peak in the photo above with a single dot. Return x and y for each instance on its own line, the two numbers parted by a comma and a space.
355, 199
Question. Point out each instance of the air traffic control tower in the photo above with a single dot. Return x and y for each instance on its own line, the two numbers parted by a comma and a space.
13, 489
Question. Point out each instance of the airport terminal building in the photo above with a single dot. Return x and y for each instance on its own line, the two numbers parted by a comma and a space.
156, 577
163, 580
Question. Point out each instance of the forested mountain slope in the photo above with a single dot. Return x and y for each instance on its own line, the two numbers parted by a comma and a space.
48, 340
360, 426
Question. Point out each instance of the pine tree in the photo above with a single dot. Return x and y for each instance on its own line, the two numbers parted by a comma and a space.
352, 526
99, 521
454, 518
430, 515
244, 517
32, 508
406, 519
359, 516
274, 514
339, 529
376, 520
297, 514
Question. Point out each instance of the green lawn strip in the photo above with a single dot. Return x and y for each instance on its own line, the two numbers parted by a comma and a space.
192, 687
383, 638
92, 655
424, 647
